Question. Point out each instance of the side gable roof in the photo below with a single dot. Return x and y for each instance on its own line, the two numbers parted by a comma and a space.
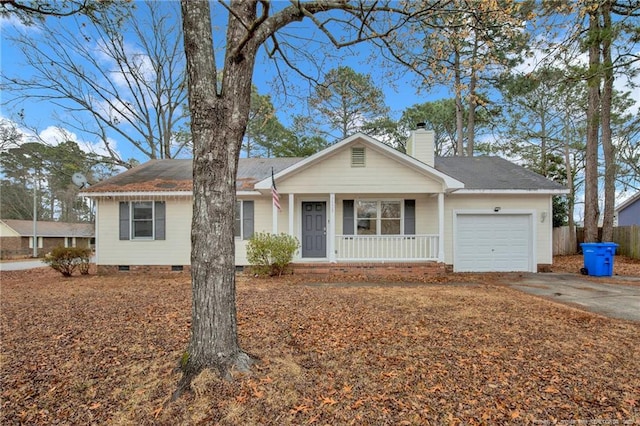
176, 176
495, 174
51, 229
469, 174
449, 182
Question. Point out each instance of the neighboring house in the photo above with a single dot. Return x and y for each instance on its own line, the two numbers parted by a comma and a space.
356, 203
16, 236
628, 213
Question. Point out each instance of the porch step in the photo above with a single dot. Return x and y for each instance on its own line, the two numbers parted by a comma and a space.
408, 269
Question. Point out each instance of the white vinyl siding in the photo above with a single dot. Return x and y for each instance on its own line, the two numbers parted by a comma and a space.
175, 249
535, 204
382, 175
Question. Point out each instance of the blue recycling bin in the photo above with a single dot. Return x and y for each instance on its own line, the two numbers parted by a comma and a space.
598, 258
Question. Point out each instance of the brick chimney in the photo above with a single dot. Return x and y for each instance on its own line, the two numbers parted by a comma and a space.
421, 144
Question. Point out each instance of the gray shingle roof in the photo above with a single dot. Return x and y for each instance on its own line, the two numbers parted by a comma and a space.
51, 229
177, 175
487, 173
495, 173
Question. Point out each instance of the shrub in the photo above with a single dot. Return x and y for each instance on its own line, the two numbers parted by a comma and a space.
66, 259
270, 254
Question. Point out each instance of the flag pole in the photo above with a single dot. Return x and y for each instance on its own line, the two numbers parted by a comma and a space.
275, 203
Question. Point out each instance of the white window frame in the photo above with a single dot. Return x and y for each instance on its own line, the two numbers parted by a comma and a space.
238, 208
153, 221
378, 218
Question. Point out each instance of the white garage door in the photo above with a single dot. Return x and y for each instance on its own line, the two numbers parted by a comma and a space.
493, 243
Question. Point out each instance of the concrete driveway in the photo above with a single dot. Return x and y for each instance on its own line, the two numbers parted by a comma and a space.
613, 300
21, 265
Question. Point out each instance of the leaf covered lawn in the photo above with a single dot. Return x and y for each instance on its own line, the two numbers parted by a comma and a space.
103, 350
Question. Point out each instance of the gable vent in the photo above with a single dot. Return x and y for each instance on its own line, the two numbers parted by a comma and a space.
357, 156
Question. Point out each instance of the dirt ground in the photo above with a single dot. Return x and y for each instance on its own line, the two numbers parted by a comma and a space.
459, 350
622, 265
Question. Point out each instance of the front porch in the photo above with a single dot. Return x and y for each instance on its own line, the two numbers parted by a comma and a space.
330, 233
377, 248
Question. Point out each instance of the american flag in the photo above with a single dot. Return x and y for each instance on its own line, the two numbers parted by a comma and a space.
274, 192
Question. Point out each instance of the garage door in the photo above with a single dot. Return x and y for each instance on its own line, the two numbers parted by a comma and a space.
493, 243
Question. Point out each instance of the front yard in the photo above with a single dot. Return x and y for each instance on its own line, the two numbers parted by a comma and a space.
103, 350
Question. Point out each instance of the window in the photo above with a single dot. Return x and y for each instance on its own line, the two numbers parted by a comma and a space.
243, 219
378, 217
142, 220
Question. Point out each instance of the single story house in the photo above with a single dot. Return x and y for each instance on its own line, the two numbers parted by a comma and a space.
16, 236
628, 213
358, 203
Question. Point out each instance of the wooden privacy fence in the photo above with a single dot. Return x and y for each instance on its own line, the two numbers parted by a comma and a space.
627, 238
562, 242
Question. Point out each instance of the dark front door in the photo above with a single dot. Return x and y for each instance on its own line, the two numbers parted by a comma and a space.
314, 229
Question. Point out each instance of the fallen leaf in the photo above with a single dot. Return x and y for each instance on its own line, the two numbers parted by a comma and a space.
551, 389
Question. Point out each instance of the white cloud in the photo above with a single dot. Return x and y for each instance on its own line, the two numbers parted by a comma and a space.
54, 135
11, 22
140, 63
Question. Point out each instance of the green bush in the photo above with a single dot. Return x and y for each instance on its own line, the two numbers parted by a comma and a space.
66, 259
270, 254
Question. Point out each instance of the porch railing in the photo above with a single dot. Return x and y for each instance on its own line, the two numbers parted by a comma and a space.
386, 247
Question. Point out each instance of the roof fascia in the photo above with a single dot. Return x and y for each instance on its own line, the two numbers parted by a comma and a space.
136, 194
450, 183
628, 202
154, 194
513, 191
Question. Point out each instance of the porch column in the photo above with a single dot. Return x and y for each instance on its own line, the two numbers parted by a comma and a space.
441, 227
331, 234
291, 213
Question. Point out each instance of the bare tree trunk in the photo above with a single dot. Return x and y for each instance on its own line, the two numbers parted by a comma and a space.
543, 145
459, 106
473, 102
571, 198
218, 124
607, 145
593, 119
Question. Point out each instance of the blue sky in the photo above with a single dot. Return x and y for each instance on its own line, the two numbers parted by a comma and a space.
400, 92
